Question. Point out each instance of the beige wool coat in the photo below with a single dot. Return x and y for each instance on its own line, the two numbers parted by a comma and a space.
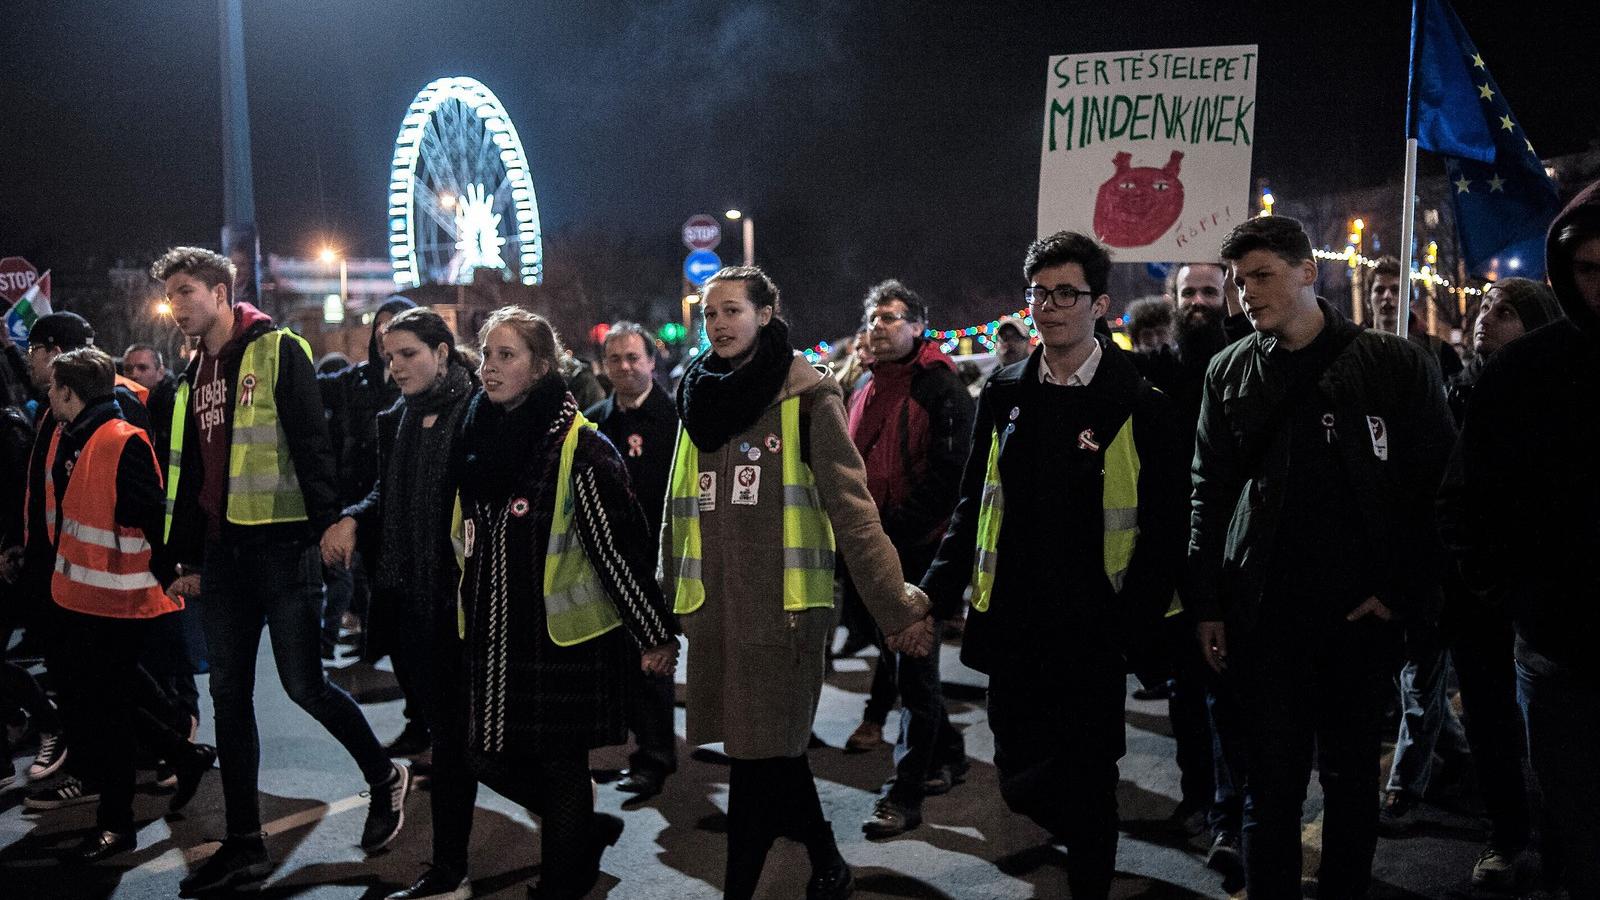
755, 671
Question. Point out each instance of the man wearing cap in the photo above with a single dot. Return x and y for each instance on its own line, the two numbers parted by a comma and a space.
250, 487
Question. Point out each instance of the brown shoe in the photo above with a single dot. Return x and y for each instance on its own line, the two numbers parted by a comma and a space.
867, 736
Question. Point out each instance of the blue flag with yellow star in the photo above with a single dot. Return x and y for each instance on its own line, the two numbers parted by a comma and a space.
1504, 201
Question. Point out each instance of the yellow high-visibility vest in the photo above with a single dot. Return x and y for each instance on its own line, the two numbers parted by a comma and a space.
576, 606
808, 546
262, 486
1119, 504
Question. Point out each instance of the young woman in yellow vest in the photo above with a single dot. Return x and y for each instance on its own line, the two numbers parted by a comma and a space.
766, 487
103, 513
404, 526
558, 596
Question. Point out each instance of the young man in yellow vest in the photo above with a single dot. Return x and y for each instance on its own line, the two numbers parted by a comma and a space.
250, 487
1070, 529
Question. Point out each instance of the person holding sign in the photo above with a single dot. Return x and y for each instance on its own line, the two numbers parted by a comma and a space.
766, 487
1069, 528
558, 601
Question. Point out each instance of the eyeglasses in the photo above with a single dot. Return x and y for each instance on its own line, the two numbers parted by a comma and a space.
1065, 296
886, 318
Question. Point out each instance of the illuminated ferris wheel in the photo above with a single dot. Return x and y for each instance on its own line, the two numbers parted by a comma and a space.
460, 194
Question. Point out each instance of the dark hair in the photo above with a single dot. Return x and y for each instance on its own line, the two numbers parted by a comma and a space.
89, 372
1279, 235
210, 268
892, 290
1386, 265
1150, 312
161, 359
1070, 247
624, 328
758, 287
428, 326
1533, 301
533, 328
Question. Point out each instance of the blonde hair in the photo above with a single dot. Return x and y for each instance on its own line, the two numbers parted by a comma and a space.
533, 328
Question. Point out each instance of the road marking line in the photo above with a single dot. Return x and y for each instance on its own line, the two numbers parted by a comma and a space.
200, 852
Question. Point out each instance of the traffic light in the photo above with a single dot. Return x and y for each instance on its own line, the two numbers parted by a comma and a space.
672, 332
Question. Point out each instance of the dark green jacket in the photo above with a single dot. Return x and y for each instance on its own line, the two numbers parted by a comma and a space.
1236, 505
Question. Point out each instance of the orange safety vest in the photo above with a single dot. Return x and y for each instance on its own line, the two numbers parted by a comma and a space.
102, 568
139, 390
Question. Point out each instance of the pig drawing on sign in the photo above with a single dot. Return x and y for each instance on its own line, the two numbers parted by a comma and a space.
1137, 205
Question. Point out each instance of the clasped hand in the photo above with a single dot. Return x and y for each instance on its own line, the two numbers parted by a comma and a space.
916, 640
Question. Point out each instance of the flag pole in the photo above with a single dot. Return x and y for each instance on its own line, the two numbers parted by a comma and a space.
1408, 205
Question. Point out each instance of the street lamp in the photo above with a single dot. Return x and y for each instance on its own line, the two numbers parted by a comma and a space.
328, 255
689, 300
735, 215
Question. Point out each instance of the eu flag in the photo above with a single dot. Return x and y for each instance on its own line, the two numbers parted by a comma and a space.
1504, 201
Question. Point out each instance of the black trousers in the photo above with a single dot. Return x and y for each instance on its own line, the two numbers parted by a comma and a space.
1312, 687
430, 667
1058, 734
104, 710
767, 799
1482, 649
553, 785
650, 718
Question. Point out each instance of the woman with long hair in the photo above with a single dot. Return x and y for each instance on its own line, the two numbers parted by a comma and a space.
403, 527
766, 485
558, 596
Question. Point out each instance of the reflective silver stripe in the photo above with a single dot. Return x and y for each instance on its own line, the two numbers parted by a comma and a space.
1123, 518
255, 434
105, 580
558, 544
801, 496
100, 537
993, 496
1116, 579
583, 593
987, 560
685, 507
264, 483
689, 567
807, 558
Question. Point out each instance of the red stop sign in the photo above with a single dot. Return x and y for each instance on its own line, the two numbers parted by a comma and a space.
702, 232
16, 276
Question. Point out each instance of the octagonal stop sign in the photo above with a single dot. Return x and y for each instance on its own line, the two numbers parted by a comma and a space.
702, 232
16, 276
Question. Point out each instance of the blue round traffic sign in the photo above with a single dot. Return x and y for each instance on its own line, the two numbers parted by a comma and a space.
701, 265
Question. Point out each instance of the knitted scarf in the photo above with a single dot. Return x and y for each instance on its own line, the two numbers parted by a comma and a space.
717, 401
416, 490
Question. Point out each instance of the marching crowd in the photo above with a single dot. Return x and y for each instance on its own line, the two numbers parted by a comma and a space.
1282, 522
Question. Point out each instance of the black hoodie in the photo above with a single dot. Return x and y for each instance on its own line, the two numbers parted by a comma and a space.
1520, 506
353, 397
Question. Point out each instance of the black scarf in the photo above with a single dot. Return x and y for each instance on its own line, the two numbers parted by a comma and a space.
502, 445
717, 402
416, 496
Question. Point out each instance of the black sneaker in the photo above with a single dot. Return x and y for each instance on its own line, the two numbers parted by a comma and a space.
1225, 858
1398, 815
412, 740
642, 782
188, 773
386, 812
239, 864
52, 753
438, 883
70, 792
890, 819
831, 882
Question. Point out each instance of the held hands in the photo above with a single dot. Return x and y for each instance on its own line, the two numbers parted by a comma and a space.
339, 543
662, 660
915, 640
185, 586
1371, 607
1213, 644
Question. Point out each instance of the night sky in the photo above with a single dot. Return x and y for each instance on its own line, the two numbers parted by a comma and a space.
868, 139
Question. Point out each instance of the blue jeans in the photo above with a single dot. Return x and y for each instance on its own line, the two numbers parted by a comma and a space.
278, 584
1563, 719
927, 739
1425, 713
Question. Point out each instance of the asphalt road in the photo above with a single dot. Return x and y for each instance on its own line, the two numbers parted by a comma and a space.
969, 845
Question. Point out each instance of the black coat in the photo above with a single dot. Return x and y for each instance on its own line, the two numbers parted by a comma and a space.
1050, 585
1242, 461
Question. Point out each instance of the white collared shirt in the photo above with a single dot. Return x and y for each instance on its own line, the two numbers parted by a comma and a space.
1080, 378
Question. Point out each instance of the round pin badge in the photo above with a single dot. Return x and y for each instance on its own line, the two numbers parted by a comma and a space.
519, 507
753, 454
1015, 411
744, 447
773, 444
